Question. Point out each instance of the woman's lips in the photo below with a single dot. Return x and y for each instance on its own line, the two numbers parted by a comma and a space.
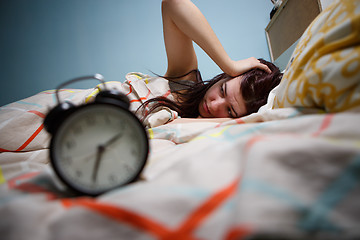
206, 109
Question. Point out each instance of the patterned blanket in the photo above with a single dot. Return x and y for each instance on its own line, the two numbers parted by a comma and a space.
286, 172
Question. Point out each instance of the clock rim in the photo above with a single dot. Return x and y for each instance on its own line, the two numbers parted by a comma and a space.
87, 191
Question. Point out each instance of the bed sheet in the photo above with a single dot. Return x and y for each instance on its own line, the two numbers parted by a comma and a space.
290, 172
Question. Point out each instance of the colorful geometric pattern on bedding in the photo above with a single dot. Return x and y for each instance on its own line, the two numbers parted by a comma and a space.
325, 67
285, 173
289, 176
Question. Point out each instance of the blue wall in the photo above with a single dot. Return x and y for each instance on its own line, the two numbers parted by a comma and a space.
45, 42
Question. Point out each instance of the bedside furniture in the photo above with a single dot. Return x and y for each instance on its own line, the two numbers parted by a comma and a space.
288, 24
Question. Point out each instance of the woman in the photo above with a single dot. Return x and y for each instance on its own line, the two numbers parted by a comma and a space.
240, 90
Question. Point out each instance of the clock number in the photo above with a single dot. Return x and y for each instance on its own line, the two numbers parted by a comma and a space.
134, 152
128, 168
68, 160
107, 119
121, 124
112, 178
79, 173
70, 144
77, 130
90, 120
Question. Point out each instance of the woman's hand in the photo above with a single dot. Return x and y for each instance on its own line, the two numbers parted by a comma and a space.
239, 67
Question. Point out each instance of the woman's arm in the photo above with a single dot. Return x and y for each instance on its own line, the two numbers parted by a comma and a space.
183, 23
179, 47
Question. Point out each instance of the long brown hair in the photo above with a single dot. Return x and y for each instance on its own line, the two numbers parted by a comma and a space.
255, 88
257, 84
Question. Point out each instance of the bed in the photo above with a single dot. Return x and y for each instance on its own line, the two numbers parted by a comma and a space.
289, 171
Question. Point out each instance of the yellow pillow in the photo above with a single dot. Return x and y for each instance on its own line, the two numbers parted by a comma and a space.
324, 70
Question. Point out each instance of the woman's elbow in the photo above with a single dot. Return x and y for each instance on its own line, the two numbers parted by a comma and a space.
171, 3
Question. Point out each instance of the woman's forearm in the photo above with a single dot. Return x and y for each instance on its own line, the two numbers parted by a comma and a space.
188, 18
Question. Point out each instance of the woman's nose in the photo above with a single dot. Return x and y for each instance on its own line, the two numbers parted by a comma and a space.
218, 105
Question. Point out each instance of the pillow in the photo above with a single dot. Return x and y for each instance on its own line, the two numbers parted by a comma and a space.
324, 70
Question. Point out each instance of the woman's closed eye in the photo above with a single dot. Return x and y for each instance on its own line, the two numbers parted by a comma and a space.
229, 113
223, 94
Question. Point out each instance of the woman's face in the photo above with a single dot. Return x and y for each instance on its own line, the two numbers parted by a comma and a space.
223, 100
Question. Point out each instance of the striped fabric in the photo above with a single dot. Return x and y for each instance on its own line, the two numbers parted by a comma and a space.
285, 173
288, 172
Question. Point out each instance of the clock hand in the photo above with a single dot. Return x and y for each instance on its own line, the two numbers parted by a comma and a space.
99, 153
113, 139
100, 150
89, 156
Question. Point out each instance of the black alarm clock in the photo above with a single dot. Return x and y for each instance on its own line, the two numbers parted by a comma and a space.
98, 146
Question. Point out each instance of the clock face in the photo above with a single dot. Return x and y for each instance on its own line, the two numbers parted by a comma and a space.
99, 147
